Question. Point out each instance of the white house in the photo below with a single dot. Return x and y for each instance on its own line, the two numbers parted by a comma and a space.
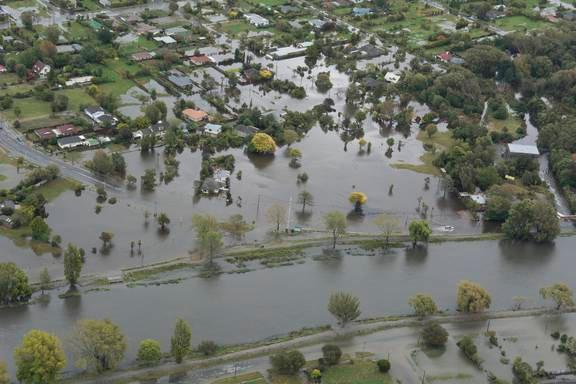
82, 80
392, 77
100, 116
256, 20
41, 70
212, 129
166, 40
71, 142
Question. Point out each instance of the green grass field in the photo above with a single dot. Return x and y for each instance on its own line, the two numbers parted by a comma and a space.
247, 378
521, 23
76, 98
237, 26
9, 78
361, 372
78, 32
18, 88
22, 3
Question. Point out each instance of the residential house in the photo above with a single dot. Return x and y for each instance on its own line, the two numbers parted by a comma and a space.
245, 130
176, 31
144, 29
317, 24
392, 77
372, 84
212, 129
143, 56
41, 70
194, 115
201, 60
59, 131
81, 80
211, 186
68, 48
367, 51
95, 25
45, 133
157, 129
100, 116
180, 79
2, 69
445, 56
165, 40
286, 9
256, 20
7, 222
221, 175
251, 75
358, 12
7, 207
522, 150
71, 142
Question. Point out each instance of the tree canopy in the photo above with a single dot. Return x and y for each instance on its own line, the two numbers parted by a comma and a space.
39, 359
344, 307
471, 297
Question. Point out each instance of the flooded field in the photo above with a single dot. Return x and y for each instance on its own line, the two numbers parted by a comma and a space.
255, 305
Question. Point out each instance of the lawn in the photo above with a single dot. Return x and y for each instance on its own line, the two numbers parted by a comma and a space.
30, 108
142, 44
442, 140
78, 32
520, 23
511, 124
236, 27
77, 97
342, 11
270, 3
9, 78
281, 379
247, 378
55, 188
361, 372
2, 177
22, 4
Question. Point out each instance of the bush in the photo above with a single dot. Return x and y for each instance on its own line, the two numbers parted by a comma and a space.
207, 348
434, 335
383, 365
331, 354
112, 200
149, 351
287, 362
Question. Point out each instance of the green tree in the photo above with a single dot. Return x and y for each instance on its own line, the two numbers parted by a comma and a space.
434, 335
560, 293
344, 307
39, 359
204, 223
383, 365
45, 281
336, 224
52, 33
148, 180
532, 220
306, 199
4, 378
287, 362
207, 348
423, 304
149, 352
469, 349
72, 264
163, 221
331, 354
236, 226
290, 136
180, 342
419, 231
99, 344
388, 224
276, 215
101, 163
471, 297
40, 230
14, 287
210, 244
106, 238
27, 19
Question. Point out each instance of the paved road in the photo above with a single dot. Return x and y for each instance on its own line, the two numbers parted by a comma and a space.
16, 146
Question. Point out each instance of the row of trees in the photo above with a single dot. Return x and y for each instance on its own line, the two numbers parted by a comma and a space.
471, 297
98, 345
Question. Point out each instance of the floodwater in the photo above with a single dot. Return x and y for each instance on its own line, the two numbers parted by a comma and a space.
255, 305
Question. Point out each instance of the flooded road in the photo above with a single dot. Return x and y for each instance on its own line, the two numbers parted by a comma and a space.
255, 305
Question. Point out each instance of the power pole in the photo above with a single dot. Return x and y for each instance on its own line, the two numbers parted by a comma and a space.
258, 206
289, 214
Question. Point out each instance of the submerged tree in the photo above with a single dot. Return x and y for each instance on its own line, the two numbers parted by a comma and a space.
335, 224
344, 307
99, 344
180, 341
358, 199
560, 293
306, 199
419, 231
471, 297
39, 359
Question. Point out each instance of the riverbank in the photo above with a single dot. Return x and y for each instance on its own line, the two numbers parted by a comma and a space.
359, 328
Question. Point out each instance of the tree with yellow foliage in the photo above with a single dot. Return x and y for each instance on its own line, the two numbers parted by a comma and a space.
39, 359
263, 144
471, 297
358, 199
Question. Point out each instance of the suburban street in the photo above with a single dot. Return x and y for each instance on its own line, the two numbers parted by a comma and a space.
16, 146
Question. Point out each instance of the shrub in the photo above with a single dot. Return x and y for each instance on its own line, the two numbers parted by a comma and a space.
207, 348
149, 351
434, 335
383, 365
331, 354
287, 362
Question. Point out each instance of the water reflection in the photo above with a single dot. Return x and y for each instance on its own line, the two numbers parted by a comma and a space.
416, 256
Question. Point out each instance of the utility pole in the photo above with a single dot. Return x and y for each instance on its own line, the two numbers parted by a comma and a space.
289, 214
258, 206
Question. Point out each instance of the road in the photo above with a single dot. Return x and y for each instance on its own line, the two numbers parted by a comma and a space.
13, 143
